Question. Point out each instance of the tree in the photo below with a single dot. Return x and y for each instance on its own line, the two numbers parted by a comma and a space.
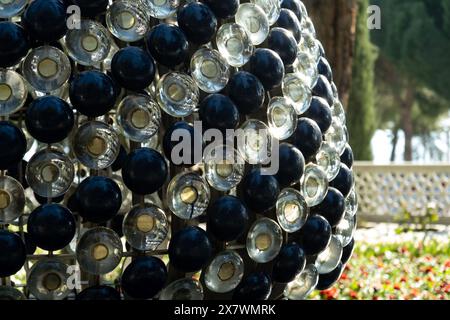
335, 25
414, 45
361, 113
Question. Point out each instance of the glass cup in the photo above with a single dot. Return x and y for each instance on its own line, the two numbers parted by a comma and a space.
264, 240
13, 92
253, 19
314, 185
48, 280
209, 70
183, 289
12, 199
292, 210
225, 272
282, 117
234, 44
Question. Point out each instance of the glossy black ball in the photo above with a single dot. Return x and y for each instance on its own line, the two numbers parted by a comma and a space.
93, 93
17, 172
322, 88
348, 251
224, 8
326, 281
260, 192
12, 253
332, 207
188, 157
168, 45
343, 181
324, 68
13, 145
51, 226
292, 165
347, 157
256, 286
46, 20
219, 112
44, 200
198, 22
294, 6
283, 42
315, 235
120, 160
99, 199
228, 218
14, 44
144, 277
190, 249
133, 68
289, 21
267, 65
307, 137
116, 224
30, 245
247, 92
99, 293
320, 112
91, 8
145, 171
49, 119
289, 263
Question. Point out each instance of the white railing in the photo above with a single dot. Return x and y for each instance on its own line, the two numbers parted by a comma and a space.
384, 190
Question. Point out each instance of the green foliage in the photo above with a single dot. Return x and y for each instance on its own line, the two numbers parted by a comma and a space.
361, 113
408, 222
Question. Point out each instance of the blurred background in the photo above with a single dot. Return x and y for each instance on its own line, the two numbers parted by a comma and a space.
391, 63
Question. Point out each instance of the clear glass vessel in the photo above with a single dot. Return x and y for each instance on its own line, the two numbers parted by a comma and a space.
46, 68
13, 92
50, 173
329, 161
183, 289
255, 142
337, 136
345, 230
292, 210
282, 117
303, 285
188, 195
12, 199
264, 240
225, 272
209, 70
145, 227
314, 185
296, 88
255, 22
271, 8
139, 117
10, 8
162, 9
48, 280
329, 259
96, 145
99, 251
234, 44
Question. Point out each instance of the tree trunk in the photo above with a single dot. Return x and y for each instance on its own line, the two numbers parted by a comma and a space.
335, 23
407, 122
394, 143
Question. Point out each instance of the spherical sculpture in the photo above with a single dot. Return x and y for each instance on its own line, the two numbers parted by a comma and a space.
195, 149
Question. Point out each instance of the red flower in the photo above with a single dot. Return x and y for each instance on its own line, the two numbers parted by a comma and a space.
330, 294
397, 286
344, 276
353, 295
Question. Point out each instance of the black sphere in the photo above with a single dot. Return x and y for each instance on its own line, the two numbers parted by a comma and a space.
12, 253
283, 42
44, 200
320, 112
219, 112
30, 245
46, 20
13, 145
323, 89
144, 277
307, 137
247, 92
289, 263
99, 293
267, 65
145, 171
343, 181
169, 143
348, 251
14, 44
332, 207
51, 226
49, 119
93, 93
227, 218
347, 157
120, 160
324, 69
190, 249
168, 45
133, 68
256, 286
292, 165
294, 6
116, 224
224, 8
99, 199
326, 281
315, 235
91, 8
289, 21
260, 192
198, 22
15, 173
